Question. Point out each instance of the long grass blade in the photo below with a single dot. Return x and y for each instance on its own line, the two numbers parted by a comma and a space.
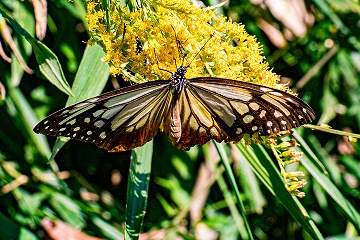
275, 184
230, 174
137, 189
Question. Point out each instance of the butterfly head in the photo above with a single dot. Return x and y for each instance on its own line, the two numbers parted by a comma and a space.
181, 71
178, 79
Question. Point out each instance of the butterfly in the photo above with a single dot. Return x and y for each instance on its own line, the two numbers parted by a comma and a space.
189, 111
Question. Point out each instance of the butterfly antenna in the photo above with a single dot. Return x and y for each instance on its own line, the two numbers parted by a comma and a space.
175, 62
198, 53
157, 62
184, 58
181, 50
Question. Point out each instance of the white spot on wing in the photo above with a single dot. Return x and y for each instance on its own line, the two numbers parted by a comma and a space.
248, 118
277, 114
87, 120
62, 129
238, 130
89, 132
262, 113
269, 123
240, 107
76, 129
102, 135
254, 128
99, 124
254, 106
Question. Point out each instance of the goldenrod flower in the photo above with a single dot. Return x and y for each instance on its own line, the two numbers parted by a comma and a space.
133, 41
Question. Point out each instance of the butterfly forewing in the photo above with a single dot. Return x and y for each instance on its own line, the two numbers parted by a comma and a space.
117, 121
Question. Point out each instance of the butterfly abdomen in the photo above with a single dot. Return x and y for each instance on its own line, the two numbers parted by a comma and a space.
175, 121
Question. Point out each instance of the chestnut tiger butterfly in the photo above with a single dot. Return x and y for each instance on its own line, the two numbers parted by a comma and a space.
189, 111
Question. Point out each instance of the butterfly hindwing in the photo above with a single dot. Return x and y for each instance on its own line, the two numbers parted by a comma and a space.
117, 121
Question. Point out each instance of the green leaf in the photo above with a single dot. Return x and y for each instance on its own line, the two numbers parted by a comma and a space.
89, 81
272, 179
48, 62
108, 230
179, 195
68, 210
225, 161
249, 182
26, 235
137, 189
30, 203
26, 119
329, 187
11, 230
327, 10
91, 76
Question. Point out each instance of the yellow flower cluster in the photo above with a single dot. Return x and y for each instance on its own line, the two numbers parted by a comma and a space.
169, 33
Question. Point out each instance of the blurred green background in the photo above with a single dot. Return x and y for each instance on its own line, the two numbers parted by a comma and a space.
314, 46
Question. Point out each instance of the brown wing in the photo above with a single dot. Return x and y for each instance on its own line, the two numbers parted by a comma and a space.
225, 110
117, 121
